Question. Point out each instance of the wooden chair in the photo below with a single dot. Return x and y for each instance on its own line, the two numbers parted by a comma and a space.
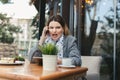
93, 64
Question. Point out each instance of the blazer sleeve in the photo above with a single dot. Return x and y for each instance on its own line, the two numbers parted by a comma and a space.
73, 51
34, 52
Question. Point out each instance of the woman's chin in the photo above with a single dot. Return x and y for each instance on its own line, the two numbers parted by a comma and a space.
55, 39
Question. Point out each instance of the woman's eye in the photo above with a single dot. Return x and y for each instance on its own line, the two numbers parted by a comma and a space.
50, 27
58, 27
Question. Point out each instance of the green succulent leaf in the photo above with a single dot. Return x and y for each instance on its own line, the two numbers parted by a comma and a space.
49, 49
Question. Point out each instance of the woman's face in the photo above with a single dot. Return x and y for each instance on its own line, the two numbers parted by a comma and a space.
55, 30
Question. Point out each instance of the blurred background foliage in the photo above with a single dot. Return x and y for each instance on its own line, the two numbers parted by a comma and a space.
7, 30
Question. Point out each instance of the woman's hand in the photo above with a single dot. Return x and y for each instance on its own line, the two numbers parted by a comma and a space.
59, 61
45, 31
44, 35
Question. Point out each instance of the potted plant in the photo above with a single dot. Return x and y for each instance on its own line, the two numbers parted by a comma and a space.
49, 53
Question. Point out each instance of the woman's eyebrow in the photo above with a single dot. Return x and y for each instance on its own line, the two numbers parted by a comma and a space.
55, 26
58, 26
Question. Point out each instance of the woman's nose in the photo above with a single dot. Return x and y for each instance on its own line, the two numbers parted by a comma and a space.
54, 30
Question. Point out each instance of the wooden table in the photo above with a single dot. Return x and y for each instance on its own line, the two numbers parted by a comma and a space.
35, 72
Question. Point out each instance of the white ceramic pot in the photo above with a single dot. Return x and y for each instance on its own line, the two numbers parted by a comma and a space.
50, 62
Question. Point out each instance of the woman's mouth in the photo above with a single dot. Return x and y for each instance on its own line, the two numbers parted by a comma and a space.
54, 35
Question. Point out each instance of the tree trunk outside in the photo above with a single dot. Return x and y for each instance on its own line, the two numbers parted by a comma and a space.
87, 41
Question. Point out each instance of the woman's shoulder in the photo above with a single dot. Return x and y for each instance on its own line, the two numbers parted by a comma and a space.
70, 37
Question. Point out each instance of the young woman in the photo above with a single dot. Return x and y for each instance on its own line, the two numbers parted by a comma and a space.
57, 32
